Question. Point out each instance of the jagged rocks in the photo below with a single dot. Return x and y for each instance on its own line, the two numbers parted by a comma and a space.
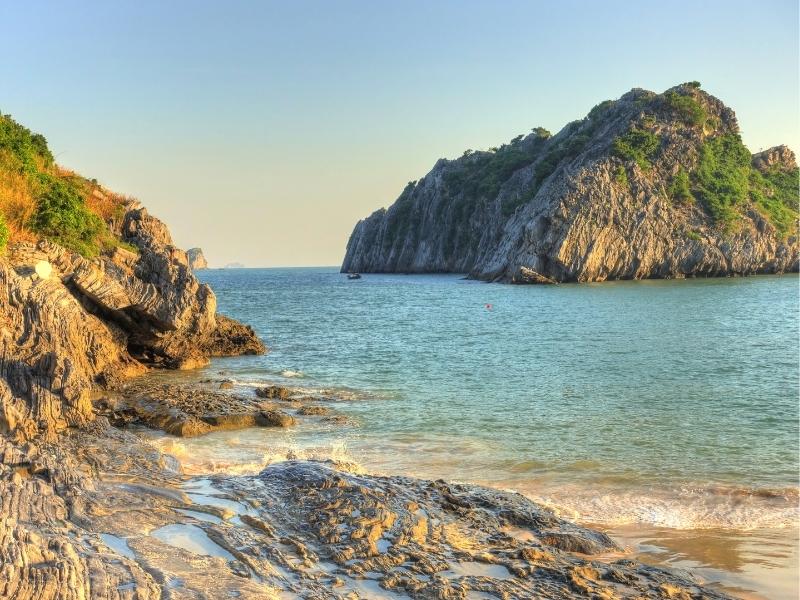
779, 156
188, 410
231, 338
52, 352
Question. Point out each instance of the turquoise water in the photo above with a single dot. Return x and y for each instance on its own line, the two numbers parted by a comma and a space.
671, 403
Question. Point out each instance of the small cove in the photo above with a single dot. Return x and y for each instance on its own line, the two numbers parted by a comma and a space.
662, 412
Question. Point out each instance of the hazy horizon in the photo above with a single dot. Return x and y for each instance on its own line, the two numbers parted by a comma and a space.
262, 132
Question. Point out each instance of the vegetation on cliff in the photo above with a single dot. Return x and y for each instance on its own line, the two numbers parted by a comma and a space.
39, 199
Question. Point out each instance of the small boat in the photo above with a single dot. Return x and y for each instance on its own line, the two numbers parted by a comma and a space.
353, 276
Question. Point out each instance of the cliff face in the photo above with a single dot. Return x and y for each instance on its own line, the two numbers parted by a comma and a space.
70, 323
196, 259
650, 185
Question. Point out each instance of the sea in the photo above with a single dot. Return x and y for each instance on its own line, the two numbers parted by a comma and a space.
663, 412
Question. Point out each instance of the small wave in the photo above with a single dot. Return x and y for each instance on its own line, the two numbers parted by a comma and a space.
327, 393
197, 458
289, 373
691, 507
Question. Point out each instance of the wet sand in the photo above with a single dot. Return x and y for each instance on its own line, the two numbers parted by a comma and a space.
758, 565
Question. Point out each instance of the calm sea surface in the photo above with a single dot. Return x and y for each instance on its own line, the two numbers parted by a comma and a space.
664, 411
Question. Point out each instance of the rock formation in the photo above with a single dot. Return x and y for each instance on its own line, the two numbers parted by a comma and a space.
70, 323
197, 260
647, 186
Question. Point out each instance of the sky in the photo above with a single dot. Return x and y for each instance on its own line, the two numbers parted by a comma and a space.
263, 131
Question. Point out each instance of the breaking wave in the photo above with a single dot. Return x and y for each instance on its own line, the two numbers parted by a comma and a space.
689, 507
201, 459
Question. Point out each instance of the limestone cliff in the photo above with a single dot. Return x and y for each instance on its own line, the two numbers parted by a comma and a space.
197, 260
647, 186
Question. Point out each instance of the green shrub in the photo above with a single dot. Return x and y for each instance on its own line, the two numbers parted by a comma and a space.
541, 132
687, 107
621, 175
637, 145
482, 177
3, 233
399, 214
28, 149
61, 215
725, 181
693, 235
721, 179
679, 190
693, 84
776, 193
600, 109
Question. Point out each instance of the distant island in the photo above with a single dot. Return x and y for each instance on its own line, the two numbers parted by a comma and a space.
234, 265
197, 261
646, 186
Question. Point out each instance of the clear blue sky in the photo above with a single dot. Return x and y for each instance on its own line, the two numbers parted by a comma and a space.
262, 131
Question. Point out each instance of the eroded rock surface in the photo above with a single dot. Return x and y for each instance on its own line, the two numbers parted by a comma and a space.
188, 410
103, 515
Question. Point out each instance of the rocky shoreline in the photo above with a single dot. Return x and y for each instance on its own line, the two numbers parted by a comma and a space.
98, 512
90, 509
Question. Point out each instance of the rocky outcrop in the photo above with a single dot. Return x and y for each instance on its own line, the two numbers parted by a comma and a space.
196, 259
70, 324
103, 515
779, 157
647, 186
192, 409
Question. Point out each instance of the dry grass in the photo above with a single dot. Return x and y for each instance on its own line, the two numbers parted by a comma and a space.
105, 204
18, 200
17, 205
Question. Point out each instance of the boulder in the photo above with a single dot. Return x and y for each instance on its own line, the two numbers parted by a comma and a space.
274, 392
274, 418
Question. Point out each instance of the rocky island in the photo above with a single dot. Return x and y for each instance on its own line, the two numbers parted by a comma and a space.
196, 258
93, 293
646, 186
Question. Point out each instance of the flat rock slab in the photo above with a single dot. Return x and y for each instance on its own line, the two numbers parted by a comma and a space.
188, 410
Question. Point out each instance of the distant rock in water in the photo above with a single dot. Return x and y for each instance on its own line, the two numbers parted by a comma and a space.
234, 265
196, 259
646, 186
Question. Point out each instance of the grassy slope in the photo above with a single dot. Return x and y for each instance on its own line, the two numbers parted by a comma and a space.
39, 199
